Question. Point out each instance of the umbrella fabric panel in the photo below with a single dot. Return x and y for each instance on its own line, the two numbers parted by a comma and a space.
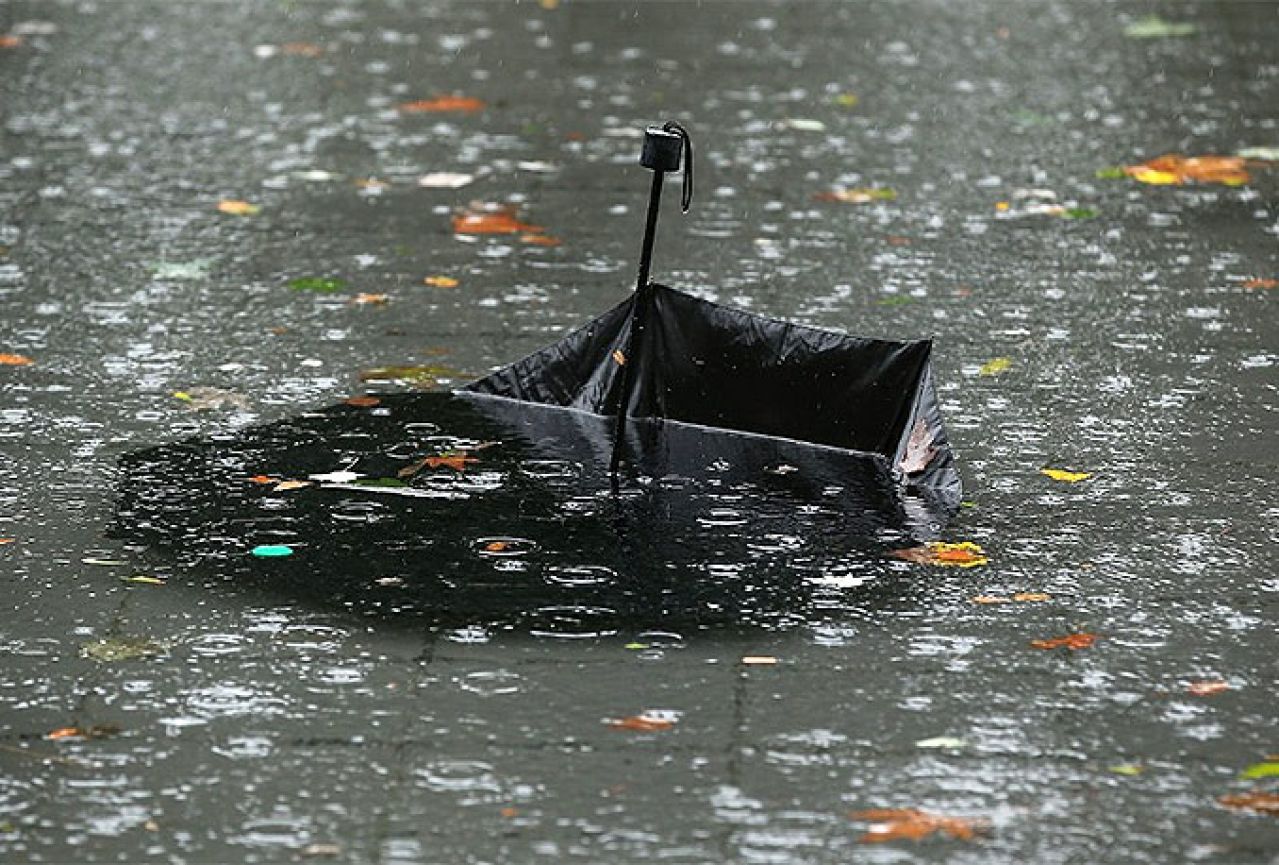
711, 365
580, 371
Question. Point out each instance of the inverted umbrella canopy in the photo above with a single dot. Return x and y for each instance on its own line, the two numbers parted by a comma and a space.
669, 357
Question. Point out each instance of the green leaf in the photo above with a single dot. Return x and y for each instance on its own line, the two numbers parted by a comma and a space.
1260, 770
318, 284
426, 375
122, 649
1154, 27
895, 300
1079, 213
379, 482
1129, 769
1114, 172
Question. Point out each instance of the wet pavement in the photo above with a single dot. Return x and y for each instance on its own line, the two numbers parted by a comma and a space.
1085, 321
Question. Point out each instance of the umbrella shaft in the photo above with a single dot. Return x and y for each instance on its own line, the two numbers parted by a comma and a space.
650, 230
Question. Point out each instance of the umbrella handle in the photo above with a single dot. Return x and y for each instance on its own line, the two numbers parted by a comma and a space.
663, 147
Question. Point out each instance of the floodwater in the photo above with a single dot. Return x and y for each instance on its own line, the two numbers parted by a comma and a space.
1084, 322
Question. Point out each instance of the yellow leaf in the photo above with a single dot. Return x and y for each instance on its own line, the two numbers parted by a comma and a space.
182, 395
1031, 597
1155, 177
618, 357
145, 580
440, 281
237, 208
847, 100
995, 366
1066, 476
1129, 769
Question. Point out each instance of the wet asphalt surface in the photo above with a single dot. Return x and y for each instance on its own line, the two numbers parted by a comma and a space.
276, 721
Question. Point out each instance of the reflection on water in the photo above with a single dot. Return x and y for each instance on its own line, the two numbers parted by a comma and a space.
486, 519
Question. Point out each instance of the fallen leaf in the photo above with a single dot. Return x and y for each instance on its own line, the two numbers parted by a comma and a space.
362, 401
151, 826
759, 661
263, 479
1257, 771
1065, 475
209, 398
1261, 282
445, 180
949, 742
618, 357
508, 813
456, 461
285, 486
894, 824
379, 482
317, 850
318, 284
846, 100
646, 722
1070, 641
919, 449
862, 195
236, 207
425, 375
496, 546
301, 49
990, 599
4, 541
1031, 597
440, 104
10, 41
1129, 769
995, 366
1258, 800
15, 360
114, 649
366, 299
492, 220
540, 240
97, 731
1172, 169
440, 281
1207, 688
1154, 27
965, 554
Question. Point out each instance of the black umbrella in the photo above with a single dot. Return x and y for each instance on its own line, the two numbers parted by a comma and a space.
690, 365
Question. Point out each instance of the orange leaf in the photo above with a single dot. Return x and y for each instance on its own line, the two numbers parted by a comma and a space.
1174, 169
8, 41
893, 824
1261, 283
301, 49
962, 555
989, 599
15, 360
364, 298
442, 281
641, 724
264, 479
362, 401
1070, 641
496, 546
618, 357
441, 104
1032, 597
492, 222
1257, 800
65, 733
4, 541
235, 207
1207, 688
455, 461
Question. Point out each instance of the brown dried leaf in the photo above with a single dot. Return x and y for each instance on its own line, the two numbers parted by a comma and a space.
919, 449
